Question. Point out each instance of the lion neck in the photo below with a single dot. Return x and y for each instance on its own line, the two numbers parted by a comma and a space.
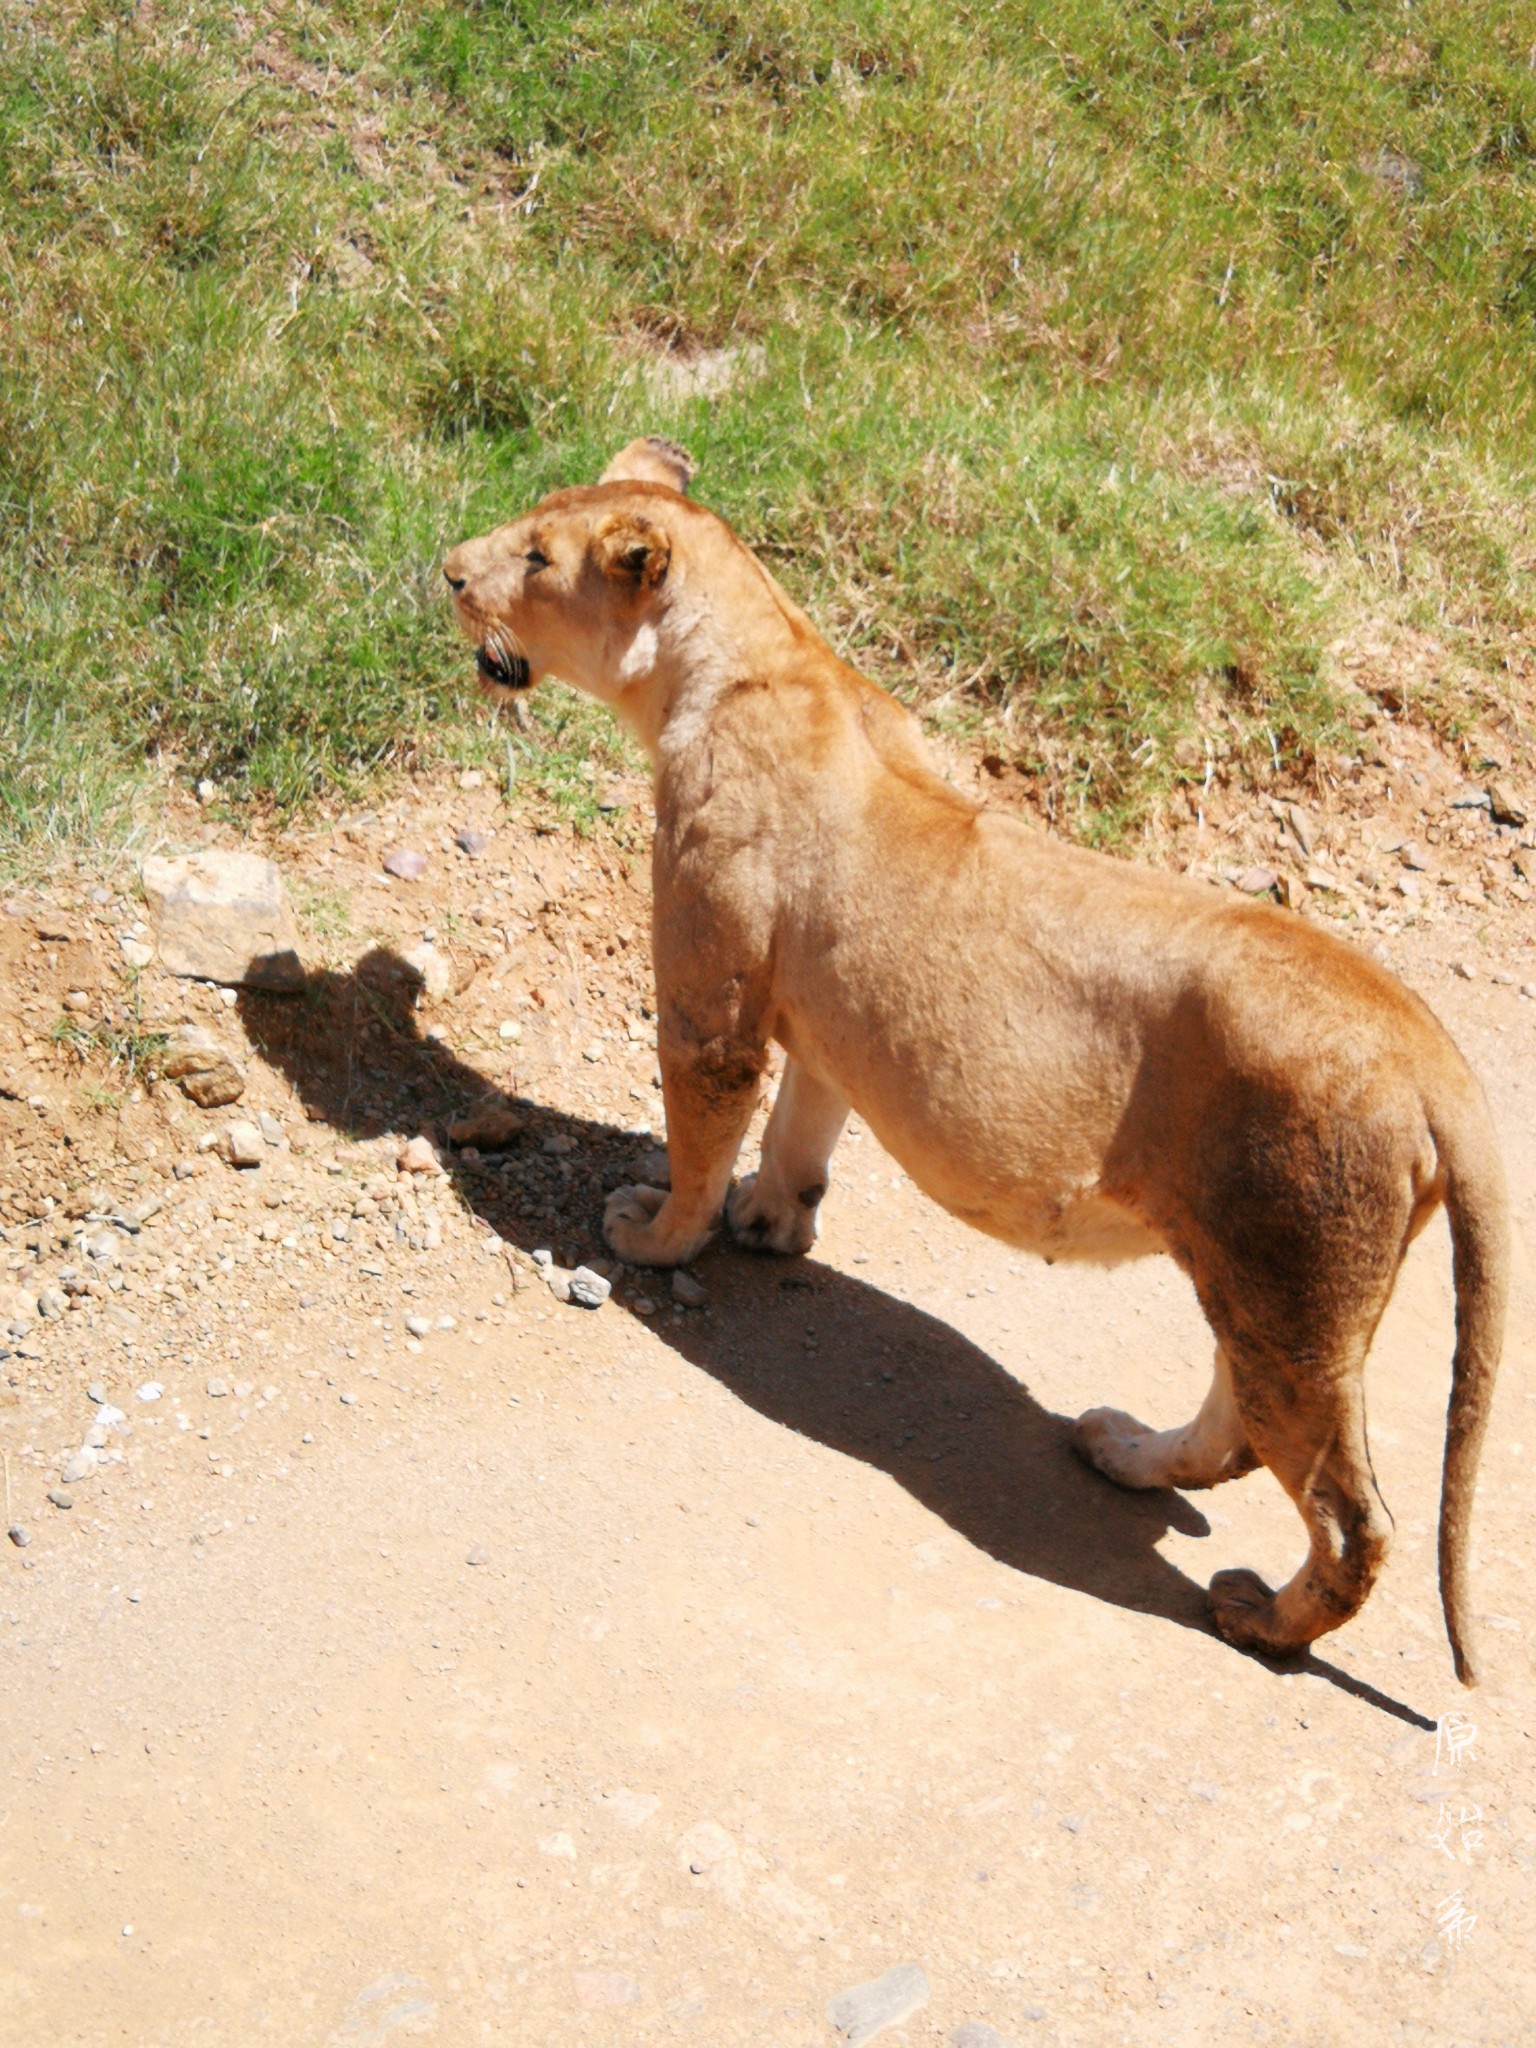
709, 634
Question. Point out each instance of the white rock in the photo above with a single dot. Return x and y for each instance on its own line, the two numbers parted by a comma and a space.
243, 1145
589, 1289
419, 1155
79, 1465
419, 1326
865, 2010
150, 1391
435, 969
225, 917
18, 1309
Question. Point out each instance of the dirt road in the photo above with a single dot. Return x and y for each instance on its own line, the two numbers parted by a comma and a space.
528, 1675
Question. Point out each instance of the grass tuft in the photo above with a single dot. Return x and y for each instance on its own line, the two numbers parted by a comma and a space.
1091, 378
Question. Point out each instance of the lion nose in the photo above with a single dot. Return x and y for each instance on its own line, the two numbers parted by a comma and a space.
454, 582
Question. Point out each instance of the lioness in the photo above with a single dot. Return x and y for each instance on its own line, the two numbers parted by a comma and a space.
1078, 1056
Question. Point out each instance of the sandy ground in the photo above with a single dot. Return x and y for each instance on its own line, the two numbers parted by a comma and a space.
544, 1676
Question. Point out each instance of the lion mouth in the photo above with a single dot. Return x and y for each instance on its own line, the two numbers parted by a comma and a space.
507, 672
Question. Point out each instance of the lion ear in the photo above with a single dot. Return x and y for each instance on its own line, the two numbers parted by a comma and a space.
651, 460
632, 550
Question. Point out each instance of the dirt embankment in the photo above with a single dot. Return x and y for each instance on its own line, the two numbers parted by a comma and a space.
414, 1656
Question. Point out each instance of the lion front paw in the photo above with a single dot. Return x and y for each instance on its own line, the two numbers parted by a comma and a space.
1244, 1611
629, 1219
759, 1223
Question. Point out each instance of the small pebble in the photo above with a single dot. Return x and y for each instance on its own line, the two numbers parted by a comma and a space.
643, 1305
79, 1465
1256, 881
509, 1030
471, 842
687, 1290
19, 1534
405, 864
478, 1556
1465, 968
419, 1326
977, 2034
96, 1392
243, 1390
270, 1128
60, 1498
472, 778
150, 1391
217, 1389
348, 1400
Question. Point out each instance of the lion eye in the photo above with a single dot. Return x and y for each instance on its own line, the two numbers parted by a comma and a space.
536, 560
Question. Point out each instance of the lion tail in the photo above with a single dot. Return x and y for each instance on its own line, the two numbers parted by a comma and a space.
1477, 1206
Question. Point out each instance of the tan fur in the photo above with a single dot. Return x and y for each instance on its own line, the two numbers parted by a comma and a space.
1079, 1056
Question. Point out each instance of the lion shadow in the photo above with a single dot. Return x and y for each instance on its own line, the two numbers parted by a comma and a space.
834, 1358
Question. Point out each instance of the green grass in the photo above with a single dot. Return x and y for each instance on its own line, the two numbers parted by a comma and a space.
1104, 369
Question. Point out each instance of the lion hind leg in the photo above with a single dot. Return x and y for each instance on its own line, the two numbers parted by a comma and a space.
1317, 1450
774, 1209
1202, 1453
